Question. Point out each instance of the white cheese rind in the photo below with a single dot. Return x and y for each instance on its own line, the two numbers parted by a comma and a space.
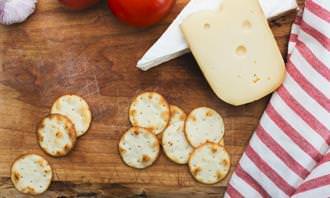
236, 51
171, 44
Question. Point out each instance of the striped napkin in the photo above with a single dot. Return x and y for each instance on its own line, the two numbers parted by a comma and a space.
289, 154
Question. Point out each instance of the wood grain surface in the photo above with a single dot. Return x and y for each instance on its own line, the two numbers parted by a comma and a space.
91, 54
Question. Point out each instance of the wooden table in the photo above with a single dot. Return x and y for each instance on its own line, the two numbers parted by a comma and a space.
90, 53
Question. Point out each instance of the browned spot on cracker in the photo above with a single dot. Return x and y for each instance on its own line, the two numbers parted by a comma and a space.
155, 145
16, 176
66, 147
209, 113
214, 149
162, 102
164, 115
132, 113
29, 190
136, 131
195, 171
182, 117
174, 110
57, 118
225, 162
151, 129
193, 118
72, 132
219, 175
40, 162
58, 134
222, 142
170, 143
122, 150
150, 95
145, 158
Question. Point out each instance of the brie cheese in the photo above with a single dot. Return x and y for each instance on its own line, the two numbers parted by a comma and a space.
172, 43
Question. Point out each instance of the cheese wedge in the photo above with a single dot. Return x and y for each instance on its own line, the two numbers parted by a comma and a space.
236, 51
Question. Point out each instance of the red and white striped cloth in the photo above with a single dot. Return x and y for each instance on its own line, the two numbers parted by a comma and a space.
289, 154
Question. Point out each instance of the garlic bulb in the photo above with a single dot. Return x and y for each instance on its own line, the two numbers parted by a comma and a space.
16, 11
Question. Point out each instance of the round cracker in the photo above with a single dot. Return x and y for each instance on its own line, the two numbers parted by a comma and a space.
174, 142
150, 110
31, 174
209, 163
139, 148
56, 135
204, 125
76, 109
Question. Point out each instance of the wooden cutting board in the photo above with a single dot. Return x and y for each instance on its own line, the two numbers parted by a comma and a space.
91, 54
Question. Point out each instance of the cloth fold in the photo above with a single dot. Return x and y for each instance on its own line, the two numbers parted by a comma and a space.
317, 184
289, 153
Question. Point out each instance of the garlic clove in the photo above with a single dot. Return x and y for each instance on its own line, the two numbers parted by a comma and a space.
16, 11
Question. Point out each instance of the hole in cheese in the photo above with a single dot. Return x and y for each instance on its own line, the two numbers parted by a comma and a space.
255, 78
207, 26
241, 50
246, 25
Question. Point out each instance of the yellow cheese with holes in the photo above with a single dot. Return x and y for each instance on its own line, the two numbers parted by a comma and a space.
236, 51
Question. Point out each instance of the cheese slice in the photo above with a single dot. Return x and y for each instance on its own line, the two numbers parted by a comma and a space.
236, 51
171, 44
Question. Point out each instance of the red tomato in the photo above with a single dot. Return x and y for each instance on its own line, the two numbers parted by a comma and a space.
78, 4
140, 13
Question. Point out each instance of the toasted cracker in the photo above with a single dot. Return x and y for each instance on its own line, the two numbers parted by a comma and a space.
31, 174
174, 142
139, 148
204, 125
56, 135
150, 110
209, 163
76, 109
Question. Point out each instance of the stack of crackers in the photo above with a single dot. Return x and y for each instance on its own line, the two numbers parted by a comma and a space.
196, 139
